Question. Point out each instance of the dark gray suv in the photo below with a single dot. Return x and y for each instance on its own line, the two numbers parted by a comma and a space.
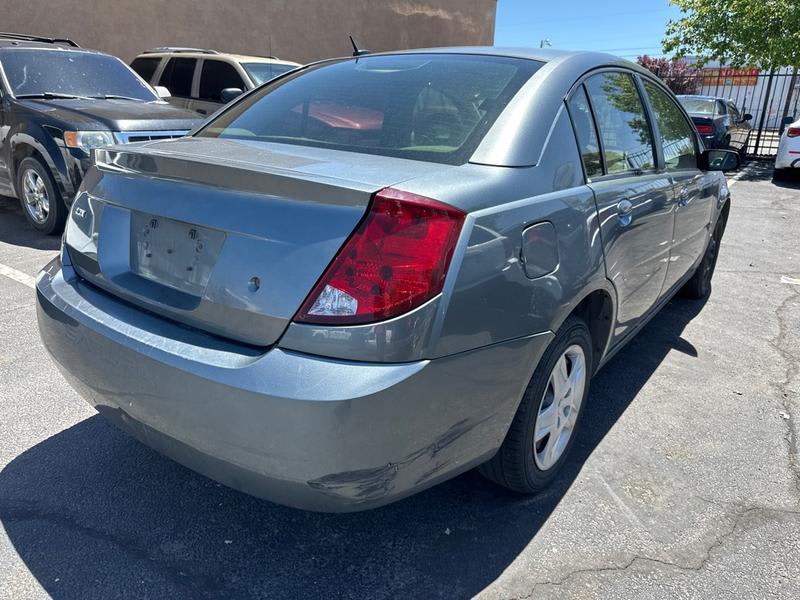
379, 272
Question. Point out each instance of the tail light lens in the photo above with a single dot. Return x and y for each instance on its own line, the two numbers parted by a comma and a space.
704, 129
793, 132
396, 260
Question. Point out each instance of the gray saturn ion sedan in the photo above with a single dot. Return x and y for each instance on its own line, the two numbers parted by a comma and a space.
375, 273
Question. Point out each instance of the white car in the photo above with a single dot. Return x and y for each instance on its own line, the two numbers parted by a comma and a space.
204, 80
788, 151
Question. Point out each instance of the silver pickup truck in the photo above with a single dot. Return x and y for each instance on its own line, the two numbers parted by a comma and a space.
375, 273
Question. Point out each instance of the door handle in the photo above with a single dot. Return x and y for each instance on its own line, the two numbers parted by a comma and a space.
624, 210
683, 197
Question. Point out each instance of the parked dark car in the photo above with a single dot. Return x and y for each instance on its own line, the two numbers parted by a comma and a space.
719, 122
58, 102
379, 272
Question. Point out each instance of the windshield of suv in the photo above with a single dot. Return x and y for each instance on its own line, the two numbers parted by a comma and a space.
431, 107
703, 106
66, 73
262, 72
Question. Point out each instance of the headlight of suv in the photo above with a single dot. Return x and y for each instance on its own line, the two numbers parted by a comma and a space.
87, 140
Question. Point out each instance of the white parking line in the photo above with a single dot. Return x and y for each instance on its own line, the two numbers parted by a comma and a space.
790, 280
17, 276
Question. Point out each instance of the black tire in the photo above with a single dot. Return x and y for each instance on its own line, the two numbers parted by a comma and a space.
515, 466
699, 286
780, 174
56, 216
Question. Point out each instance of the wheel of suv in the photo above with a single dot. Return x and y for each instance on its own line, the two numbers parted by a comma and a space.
543, 430
699, 286
41, 201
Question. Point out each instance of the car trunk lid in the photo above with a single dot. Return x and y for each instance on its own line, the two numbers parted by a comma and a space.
229, 237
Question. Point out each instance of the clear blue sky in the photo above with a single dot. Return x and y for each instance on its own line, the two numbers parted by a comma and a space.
626, 28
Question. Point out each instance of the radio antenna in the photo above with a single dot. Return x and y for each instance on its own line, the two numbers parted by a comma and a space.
356, 50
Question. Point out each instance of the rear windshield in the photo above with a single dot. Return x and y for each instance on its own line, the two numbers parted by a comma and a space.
71, 73
263, 72
430, 107
698, 105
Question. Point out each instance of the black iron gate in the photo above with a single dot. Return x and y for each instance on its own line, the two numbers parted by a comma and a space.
770, 97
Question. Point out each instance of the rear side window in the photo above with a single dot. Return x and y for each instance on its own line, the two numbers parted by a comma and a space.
215, 76
177, 76
263, 72
585, 133
675, 132
721, 110
624, 130
145, 67
430, 107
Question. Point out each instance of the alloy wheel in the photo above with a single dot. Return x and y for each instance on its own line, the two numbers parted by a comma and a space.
34, 193
559, 407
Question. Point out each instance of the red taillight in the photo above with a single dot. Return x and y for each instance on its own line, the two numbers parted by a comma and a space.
704, 129
793, 132
395, 261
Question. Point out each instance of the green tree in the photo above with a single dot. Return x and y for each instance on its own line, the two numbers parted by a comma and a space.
763, 33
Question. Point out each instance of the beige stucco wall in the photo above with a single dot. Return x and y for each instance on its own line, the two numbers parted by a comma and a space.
301, 30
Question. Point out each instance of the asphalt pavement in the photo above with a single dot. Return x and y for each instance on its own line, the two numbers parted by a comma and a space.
684, 483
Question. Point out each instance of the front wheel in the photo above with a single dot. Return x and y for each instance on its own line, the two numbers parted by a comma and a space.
41, 201
543, 430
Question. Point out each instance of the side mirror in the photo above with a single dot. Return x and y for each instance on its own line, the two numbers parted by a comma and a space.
229, 94
788, 120
747, 117
162, 91
720, 160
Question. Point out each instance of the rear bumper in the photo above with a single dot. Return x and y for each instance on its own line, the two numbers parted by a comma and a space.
299, 430
785, 160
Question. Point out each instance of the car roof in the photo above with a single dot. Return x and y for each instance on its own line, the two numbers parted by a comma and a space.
702, 97
8, 44
544, 55
216, 55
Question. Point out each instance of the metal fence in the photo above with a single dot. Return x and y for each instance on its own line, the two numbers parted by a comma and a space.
769, 97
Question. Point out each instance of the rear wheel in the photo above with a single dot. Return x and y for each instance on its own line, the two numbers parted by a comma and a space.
699, 286
41, 201
543, 430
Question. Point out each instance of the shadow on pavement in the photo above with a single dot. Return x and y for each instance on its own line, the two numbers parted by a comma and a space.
94, 514
763, 170
14, 229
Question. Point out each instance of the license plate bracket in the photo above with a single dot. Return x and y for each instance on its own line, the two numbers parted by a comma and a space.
174, 253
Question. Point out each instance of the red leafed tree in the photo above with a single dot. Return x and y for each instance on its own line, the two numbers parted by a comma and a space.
679, 76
